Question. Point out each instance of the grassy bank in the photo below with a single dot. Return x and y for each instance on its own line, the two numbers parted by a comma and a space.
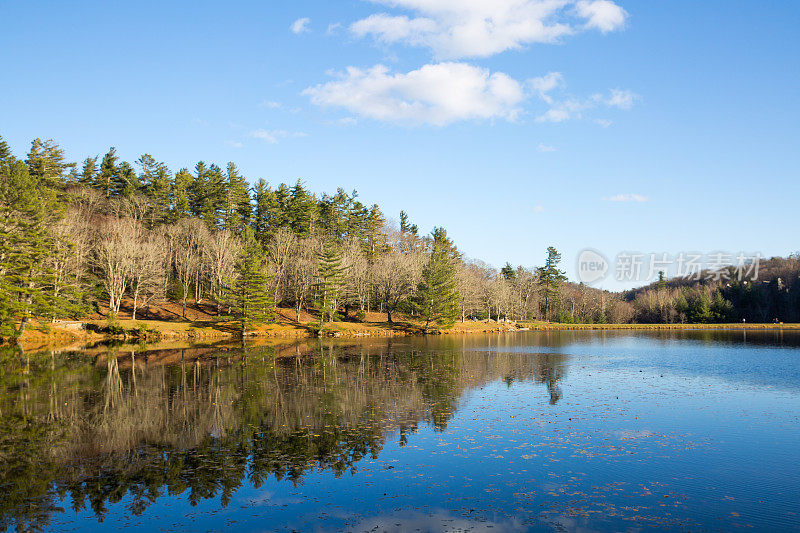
286, 326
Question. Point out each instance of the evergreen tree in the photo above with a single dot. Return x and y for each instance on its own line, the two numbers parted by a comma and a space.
264, 200
181, 202
508, 272
440, 240
250, 300
108, 172
125, 182
437, 300
88, 175
721, 309
281, 216
406, 226
196, 190
214, 200
302, 210
700, 309
46, 164
550, 279
158, 190
5, 152
28, 212
331, 279
376, 239
237, 209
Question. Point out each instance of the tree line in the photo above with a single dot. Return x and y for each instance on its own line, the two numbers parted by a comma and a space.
133, 235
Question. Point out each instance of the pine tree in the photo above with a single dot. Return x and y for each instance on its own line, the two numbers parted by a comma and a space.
237, 209
180, 193
302, 210
88, 175
46, 164
264, 200
376, 238
158, 190
250, 300
196, 189
406, 226
108, 172
281, 216
550, 279
28, 212
5, 152
662, 281
437, 300
330, 272
125, 182
214, 200
508, 272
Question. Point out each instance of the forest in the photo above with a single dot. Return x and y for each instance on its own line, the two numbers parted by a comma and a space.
78, 239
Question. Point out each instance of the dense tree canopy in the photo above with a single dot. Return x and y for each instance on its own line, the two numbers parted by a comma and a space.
110, 236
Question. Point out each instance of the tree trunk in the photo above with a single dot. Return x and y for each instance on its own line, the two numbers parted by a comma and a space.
22, 325
135, 302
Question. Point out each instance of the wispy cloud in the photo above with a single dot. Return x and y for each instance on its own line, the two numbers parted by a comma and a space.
538, 208
234, 144
273, 136
630, 197
543, 85
621, 99
269, 104
300, 25
570, 107
545, 148
604, 122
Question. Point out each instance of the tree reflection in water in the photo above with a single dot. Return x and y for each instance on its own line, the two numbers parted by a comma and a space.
91, 429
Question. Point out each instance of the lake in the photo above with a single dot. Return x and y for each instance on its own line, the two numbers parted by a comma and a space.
542, 431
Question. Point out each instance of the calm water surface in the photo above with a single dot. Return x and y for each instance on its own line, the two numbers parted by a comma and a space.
564, 431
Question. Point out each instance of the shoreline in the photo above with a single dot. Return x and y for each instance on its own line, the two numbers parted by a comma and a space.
59, 335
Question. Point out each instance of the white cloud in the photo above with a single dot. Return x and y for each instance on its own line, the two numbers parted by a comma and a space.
267, 104
604, 122
480, 28
545, 84
627, 198
436, 94
234, 144
333, 28
572, 108
300, 25
273, 136
538, 209
602, 15
545, 148
621, 99
564, 110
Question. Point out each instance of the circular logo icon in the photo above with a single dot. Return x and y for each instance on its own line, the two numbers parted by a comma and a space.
592, 266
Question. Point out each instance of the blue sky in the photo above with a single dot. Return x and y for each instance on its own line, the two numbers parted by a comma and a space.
628, 126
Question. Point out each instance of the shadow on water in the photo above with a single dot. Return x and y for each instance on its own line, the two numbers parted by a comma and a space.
89, 429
